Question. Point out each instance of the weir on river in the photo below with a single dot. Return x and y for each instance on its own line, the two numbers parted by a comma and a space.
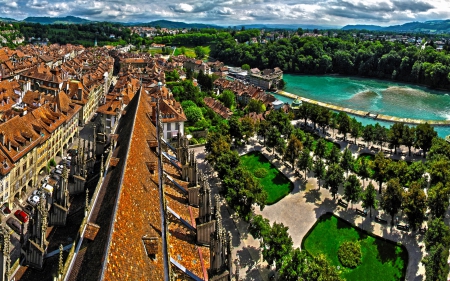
366, 113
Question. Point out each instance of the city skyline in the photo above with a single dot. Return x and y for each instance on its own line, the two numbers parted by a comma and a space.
237, 12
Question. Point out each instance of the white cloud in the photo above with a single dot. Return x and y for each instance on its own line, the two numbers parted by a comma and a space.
229, 12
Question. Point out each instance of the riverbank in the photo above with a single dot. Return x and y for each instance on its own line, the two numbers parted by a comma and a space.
366, 113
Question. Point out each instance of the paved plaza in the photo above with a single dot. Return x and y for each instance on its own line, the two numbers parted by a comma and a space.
299, 211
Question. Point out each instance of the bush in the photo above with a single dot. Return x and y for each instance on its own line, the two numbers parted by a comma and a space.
188, 103
261, 173
52, 162
193, 141
349, 254
193, 114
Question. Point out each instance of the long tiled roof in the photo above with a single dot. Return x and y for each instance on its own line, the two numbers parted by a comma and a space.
137, 214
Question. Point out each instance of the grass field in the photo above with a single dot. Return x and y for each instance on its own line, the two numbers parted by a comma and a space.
381, 259
275, 183
189, 51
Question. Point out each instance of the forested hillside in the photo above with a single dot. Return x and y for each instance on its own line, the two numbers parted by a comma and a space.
320, 55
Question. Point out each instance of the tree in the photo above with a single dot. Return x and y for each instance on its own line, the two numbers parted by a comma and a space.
228, 98
321, 148
333, 178
391, 199
245, 67
259, 226
344, 122
408, 137
242, 191
236, 130
293, 150
293, 265
369, 198
273, 137
216, 144
364, 169
225, 162
415, 205
199, 52
436, 267
305, 111
347, 161
305, 161
319, 170
395, 135
424, 137
280, 146
193, 114
352, 189
256, 106
381, 134
368, 134
248, 127
276, 244
356, 129
320, 269
438, 233
438, 200
380, 168
263, 129
335, 155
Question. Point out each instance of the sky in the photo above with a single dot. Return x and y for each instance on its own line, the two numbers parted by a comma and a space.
236, 12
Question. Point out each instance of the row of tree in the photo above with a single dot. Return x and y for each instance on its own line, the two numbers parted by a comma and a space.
398, 134
239, 187
321, 55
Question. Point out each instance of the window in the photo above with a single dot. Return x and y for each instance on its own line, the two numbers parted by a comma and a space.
169, 126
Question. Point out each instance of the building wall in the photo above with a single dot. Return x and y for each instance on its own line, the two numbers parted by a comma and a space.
172, 127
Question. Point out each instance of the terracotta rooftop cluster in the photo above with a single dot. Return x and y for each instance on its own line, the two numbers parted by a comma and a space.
245, 91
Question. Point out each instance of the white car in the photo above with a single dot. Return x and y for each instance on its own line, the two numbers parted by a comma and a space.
33, 200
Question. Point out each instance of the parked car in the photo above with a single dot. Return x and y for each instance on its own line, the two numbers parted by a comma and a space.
21, 215
48, 188
55, 177
15, 225
45, 179
33, 200
5, 210
28, 209
59, 167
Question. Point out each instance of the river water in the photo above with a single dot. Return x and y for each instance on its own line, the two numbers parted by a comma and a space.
375, 96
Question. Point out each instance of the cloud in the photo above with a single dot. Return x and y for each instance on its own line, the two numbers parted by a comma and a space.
230, 12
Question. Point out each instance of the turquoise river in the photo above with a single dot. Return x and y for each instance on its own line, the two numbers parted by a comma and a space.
375, 96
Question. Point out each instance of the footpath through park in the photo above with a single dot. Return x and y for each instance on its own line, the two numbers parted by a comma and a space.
300, 209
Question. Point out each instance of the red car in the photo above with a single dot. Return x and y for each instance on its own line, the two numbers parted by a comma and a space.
21, 215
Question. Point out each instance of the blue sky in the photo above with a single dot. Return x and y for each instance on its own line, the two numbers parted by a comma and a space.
236, 12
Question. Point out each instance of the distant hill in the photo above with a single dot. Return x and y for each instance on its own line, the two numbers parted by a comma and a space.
174, 24
287, 26
362, 26
433, 26
51, 20
8, 19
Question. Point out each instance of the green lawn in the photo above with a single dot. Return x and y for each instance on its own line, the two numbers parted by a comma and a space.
275, 183
381, 259
189, 51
